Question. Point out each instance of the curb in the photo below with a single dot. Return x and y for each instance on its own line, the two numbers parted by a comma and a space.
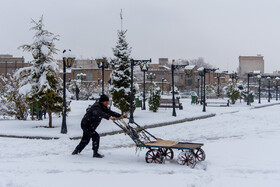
30, 137
155, 125
263, 106
117, 131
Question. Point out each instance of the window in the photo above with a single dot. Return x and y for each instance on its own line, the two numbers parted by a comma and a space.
89, 76
176, 78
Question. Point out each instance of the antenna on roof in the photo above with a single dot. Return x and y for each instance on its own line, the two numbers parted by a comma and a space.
121, 19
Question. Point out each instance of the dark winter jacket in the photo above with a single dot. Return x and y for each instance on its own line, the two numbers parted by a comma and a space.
94, 115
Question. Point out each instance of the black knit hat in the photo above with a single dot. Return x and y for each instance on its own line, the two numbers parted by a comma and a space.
103, 98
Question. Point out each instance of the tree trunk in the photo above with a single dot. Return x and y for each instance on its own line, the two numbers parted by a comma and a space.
50, 118
32, 114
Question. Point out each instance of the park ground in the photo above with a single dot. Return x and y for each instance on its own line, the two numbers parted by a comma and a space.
241, 145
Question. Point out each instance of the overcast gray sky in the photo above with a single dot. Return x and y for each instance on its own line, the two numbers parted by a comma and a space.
218, 30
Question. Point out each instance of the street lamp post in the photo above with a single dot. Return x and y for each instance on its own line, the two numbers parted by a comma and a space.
248, 88
151, 77
201, 87
269, 79
202, 72
276, 82
162, 81
68, 60
81, 76
259, 77
103, 64
218, 74
144, 67
233, 77
198, 78
173, 68
132, 64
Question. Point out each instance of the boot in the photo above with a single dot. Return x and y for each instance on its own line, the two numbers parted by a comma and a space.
75, 152
97, 155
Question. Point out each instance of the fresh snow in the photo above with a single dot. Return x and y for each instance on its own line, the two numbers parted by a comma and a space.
241, 150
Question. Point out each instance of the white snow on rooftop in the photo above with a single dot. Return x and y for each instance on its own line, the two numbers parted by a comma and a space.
200, 69
219, 71
190, 67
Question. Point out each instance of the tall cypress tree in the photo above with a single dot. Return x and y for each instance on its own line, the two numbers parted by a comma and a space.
120, 76
41, 82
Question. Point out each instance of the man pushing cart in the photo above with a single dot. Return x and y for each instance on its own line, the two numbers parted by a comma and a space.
159, 149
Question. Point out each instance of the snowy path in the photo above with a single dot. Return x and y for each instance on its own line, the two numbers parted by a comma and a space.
241, 150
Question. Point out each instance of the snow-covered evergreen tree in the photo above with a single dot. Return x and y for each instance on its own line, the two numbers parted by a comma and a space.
232, 91
120, 76
154, 97
12, 102
41, 82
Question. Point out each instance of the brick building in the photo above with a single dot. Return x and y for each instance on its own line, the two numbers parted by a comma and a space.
9, 64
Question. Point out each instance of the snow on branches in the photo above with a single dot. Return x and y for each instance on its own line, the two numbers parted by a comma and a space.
120, 76
41, 82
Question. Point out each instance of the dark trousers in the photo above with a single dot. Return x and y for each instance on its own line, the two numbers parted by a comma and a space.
87, 135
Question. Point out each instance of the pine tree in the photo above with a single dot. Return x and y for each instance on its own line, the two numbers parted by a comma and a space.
120, 76
154, 98
41, 82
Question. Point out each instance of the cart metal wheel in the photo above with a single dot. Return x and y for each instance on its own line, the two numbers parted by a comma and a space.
187, 158
167, 153
154, 156
199, 154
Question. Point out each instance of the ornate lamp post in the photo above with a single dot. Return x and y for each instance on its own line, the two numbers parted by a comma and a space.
248, 87
81, 76
198, 86
103, 64
68, 60
202, 72
132, 64
173, 68
259, 77
269, 79
276, 85
151, 77
144, 67
162, 81
234, 76
218, 75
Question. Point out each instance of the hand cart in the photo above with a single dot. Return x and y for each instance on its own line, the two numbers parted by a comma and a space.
161, 150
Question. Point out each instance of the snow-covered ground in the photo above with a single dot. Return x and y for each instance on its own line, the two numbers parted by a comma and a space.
241, 150
142, 117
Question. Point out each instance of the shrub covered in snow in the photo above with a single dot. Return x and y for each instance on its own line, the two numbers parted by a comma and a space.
12, 103
154, 98
232, 91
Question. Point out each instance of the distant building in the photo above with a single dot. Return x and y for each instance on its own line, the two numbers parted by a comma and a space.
276, 72
89, 68
163, 61
249, 64
83, 64
9, 64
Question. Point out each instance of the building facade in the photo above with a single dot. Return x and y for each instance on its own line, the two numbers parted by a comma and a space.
249, 64
9, 64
